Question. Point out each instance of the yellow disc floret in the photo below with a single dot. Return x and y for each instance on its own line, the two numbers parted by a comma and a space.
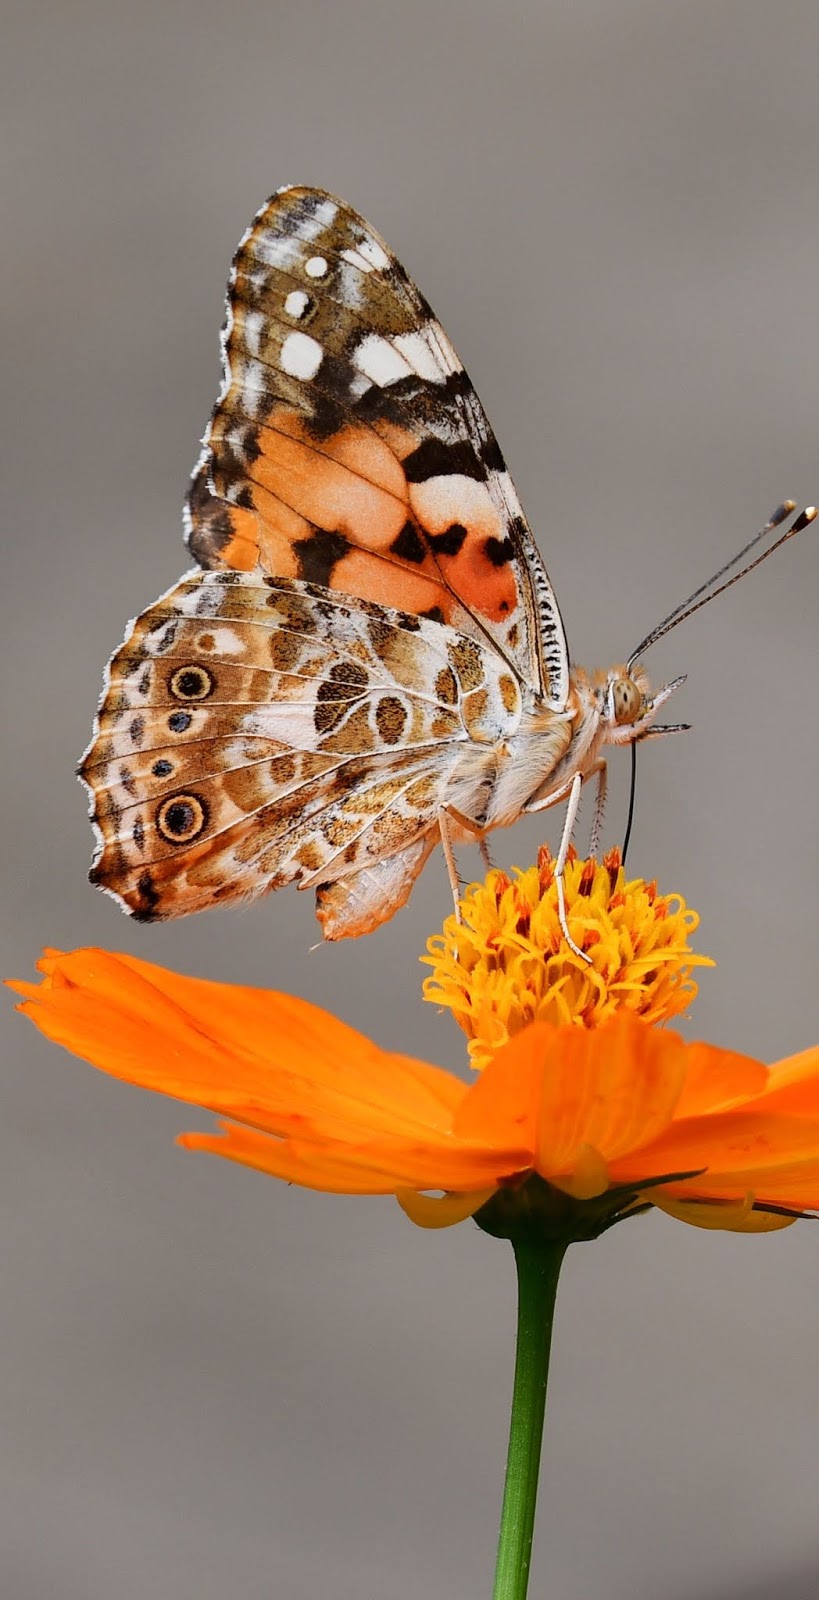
507, 963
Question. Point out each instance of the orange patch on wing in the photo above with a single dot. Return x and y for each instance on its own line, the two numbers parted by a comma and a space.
349, 483
391, 583
361, 451
241, 553
280, 527
443, 502
353, 484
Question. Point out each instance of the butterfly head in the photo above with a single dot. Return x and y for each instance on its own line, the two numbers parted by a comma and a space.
626, 698
629, 705
622, 703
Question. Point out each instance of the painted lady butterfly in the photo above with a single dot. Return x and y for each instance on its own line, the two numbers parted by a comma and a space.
369, 656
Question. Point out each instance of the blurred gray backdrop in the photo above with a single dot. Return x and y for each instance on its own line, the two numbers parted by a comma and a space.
214, 1384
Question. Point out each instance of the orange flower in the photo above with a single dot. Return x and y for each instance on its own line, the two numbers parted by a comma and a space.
595, 1121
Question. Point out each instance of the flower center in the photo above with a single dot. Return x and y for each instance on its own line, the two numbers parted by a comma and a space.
507, 964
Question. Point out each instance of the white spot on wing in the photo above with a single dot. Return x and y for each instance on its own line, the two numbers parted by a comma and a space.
254, 384
447, 354
226, 643
296, 303
315, 267
301, 356
276, 250
254, 322
379, 360
324, 215
359, 384
452, 497
422, 355
373, 252
357, 260
284, 722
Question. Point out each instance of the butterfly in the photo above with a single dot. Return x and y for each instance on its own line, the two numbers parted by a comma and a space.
368, 657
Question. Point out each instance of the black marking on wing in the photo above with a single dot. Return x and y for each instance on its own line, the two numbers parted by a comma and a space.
435, 459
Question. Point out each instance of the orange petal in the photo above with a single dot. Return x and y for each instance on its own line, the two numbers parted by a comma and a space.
284, 1158
560, 1091
793, 1085
728, 1216
744, 1148
441, 1211
501, 1104
380, 1166
794, 1184
589, 1175
250, 1052
717, 1079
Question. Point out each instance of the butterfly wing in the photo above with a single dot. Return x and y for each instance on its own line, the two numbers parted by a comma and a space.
257, 731
348, 447
372, 601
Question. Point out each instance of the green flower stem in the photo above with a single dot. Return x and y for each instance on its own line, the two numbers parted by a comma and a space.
538, 1263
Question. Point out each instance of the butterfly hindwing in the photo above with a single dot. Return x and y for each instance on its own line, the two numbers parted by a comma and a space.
257, 731
348, 447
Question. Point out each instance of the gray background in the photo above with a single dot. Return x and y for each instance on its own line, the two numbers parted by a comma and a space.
210, 1383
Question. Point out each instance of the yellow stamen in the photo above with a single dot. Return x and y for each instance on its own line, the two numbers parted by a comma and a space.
508, 964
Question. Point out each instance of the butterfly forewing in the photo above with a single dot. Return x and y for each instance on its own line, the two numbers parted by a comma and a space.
349, 449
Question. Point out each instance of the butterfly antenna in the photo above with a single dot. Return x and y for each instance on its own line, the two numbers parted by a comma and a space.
631, 794
707, 591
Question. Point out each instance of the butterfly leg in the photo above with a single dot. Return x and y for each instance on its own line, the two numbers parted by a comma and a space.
445, 817
560, 864
601, 773
571, 790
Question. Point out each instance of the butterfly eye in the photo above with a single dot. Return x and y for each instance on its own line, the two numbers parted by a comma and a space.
191, 683
625, 700
181, 819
